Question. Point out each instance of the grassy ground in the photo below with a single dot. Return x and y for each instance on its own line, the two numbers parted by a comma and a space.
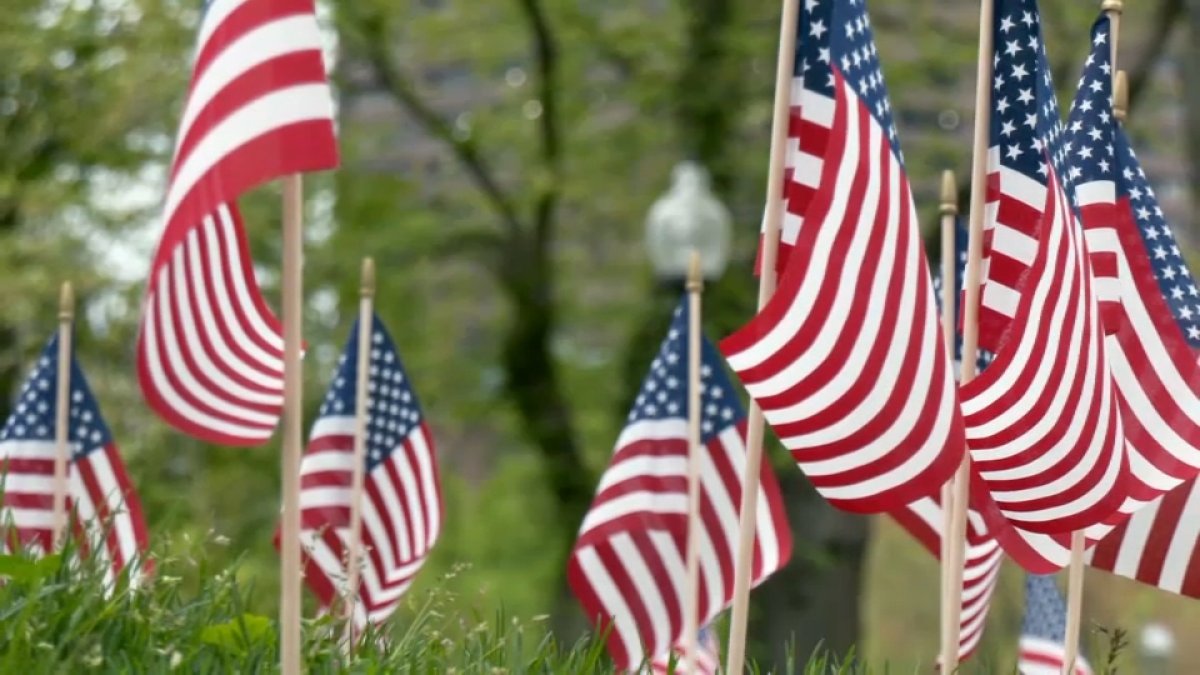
54, 618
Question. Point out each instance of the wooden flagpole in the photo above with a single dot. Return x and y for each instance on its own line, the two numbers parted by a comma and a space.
961, 493
949, 211
62, 451
784, 72
695, 286
1113, 8
366, 322
290, 562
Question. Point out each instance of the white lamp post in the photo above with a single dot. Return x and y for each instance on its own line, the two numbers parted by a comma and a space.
688, 216
1158, 646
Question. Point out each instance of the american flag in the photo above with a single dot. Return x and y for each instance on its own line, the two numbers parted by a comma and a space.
708, 657
402, 502
627, 567
981, 570
809, 122
983, 357
1148, 315
210, 352
1044, 629
924, 518
847, 360
1042, 421
103, 501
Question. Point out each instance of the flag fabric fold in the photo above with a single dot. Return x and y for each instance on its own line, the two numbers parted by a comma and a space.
847, 360
209, 350
1043, 422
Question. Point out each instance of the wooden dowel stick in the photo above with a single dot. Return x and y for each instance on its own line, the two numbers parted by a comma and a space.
949, 211
290, 572
735, 661
970, 311
366, 322
695, 286
1074, 603
62, 450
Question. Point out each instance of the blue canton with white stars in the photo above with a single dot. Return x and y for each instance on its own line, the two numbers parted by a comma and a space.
1100, 150
812, 47
983, 357
1175, 280
664, 392
33, 417
1045, 611
1090, 123
392, 408
853, 53
1025, 124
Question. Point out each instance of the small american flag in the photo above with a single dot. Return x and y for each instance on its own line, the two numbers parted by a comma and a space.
628, 566
924, 521
847, 360
210, 352
1042, 420
809, 123
1149, 316
105, 505
1043, 630
402, 502
924, 518
708, 657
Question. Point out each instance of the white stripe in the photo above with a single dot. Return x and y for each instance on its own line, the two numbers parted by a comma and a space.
648, 592
327, 461
642, 466
1133, 542
214, 16
408, 548
182, 307
1014, 244
222, 248
325, 497
1096, 192
163, 386
122, 521
279, 109
632, 503
409, 490
21, 449
614, 603
245, 299
283, 36
208, 327
430, 500
1178, 557
672, 428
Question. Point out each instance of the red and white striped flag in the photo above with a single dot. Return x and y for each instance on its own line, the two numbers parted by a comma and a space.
210, 352
981, 569
708, 657
1043, 424
402, 499
106, 511
628, 566
847, 360
809, 124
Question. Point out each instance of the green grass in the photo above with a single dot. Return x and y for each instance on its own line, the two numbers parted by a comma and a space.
55, 617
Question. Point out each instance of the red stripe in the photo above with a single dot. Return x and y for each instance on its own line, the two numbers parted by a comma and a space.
245, 19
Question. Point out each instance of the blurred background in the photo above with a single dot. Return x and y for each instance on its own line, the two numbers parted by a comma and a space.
500, 158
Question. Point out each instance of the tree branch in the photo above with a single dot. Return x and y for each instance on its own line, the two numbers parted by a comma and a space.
546, 56
374, 46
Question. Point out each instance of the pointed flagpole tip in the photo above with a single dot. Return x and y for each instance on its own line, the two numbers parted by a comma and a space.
66, 302
949, 194
1113, 6
695, 278
1121, 96
368, 278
